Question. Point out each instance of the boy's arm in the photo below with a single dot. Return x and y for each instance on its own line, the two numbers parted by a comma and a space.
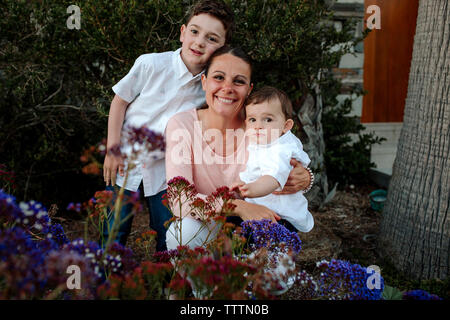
260, 188
115, 123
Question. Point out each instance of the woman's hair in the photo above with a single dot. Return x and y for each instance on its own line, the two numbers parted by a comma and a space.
235, 51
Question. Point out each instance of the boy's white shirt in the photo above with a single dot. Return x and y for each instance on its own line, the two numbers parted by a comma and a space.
274, 159
158, 86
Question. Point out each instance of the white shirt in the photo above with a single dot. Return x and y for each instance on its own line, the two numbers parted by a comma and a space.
158, 86
274, 159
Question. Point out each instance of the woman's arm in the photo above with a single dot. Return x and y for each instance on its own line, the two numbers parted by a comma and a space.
253, 211
298, 180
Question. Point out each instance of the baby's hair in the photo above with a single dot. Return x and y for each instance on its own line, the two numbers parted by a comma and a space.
268, 93
218, 9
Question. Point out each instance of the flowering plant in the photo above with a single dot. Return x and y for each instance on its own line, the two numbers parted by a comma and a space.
254, 260
264, 233
183, 201
340, 280
419, 295
34, 262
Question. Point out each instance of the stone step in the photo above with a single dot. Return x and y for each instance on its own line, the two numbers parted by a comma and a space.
383, 155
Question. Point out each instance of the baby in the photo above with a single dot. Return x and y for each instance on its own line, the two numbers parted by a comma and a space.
272, 145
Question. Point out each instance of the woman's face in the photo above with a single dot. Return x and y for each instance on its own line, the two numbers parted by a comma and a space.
227, 85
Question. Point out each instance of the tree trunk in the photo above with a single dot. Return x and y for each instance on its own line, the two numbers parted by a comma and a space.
310, 117
415, 225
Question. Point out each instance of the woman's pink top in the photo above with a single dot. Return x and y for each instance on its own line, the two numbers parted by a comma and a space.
190, 156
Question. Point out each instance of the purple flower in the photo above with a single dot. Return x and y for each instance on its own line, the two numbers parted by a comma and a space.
90, 250
9, 210
306, 285
55, 271
264, 233
33, 216
121, 257
420, 295
74, 207
118, 260
146, 137
15, 242
342, 280
21, 263
56, 233
115, 150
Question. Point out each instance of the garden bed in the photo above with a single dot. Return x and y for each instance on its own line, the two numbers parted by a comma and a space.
346, 228
345, 234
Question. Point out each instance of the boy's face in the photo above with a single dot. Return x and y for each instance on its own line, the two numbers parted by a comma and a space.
203, 35
265, 121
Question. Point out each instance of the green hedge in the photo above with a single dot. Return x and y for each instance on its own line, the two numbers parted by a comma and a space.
56, 83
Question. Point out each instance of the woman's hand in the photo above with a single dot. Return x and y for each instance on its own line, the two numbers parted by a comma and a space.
299, 179
110, 166
252, 211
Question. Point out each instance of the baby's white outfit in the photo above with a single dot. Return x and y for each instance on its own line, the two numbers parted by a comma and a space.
274, 159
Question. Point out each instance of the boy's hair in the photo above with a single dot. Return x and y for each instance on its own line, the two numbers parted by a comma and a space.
218, 9
268, 93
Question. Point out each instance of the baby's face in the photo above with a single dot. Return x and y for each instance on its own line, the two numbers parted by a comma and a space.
265, 122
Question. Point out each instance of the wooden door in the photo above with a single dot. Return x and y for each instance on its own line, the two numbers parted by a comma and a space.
387, 60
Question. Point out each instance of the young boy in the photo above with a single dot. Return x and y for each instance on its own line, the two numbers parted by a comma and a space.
158, 86
272, 145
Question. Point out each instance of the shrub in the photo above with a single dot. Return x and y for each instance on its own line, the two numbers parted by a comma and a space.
348, 147
55, 82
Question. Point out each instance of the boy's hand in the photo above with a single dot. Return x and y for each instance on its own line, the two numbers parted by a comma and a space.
110, 166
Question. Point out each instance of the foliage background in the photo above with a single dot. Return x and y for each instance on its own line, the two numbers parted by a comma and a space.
56, 82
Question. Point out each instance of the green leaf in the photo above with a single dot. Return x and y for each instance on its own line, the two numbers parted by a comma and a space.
391, 293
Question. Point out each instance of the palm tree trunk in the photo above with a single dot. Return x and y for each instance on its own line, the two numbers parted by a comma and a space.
415, 225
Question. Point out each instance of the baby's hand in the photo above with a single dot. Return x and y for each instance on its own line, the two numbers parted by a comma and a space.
237, 184
244, 189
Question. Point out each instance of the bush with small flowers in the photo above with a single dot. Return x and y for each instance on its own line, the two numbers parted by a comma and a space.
35, 254
254, 260
419, 295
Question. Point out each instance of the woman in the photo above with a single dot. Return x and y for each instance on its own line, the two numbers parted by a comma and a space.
207, 147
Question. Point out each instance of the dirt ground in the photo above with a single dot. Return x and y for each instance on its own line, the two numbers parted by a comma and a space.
346, 228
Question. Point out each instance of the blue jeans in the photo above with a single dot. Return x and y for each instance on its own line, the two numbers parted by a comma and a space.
158, 214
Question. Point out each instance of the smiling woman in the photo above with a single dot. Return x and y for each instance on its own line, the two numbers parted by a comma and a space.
227, 83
